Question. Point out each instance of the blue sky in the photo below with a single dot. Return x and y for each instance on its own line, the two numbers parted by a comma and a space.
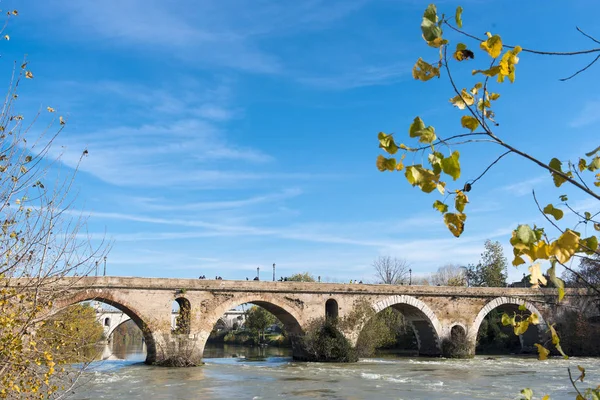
226, 135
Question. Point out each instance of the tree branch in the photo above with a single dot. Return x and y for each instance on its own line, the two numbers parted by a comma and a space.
490, 166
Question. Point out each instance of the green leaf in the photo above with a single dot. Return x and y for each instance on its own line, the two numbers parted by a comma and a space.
431, 13
469, 122
386, 164
556, 165
427, 135
417, 126
441, 207
522, 307
591, 243
525, 234
555, 212
563, 197
591, 153
386, 142
451, 165
458, 16
429, 27
418, 129
493, 46
424, 178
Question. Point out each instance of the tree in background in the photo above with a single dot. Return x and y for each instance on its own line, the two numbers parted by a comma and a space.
258, 320
74, 331
588, 271
449, 275
392, 271
383, 330
491, 270
302, 277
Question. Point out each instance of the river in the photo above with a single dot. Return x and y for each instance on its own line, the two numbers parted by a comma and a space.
235, 372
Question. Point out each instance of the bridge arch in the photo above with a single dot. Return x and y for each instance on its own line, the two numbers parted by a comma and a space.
514, 302
289, 314
425, 324
120, 304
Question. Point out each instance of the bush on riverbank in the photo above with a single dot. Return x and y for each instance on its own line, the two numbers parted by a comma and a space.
323, 342
578, 336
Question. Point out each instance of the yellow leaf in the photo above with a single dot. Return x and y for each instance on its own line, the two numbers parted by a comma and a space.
546, 397
455, 222
493, 46
62, 121
534, 319
50, 109
565, 246
521, 327
28, 75
507, 64
488, 72
441, 207
555, 212
536, 276
542, 352
460, 201
458, 16
6, 37
464, 99
386, 164
424, 71
469, 122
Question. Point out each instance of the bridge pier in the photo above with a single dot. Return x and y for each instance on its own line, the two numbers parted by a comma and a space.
177, 350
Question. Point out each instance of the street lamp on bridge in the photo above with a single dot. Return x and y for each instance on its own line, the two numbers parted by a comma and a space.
258, 273
104, 265
273, 272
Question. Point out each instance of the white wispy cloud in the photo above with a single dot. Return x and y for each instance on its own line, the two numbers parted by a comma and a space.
589, 114
525, 187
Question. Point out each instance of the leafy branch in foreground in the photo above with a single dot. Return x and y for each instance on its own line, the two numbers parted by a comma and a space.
442, 167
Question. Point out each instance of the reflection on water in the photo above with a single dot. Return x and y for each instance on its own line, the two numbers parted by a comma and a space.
238, 372
254, 353
119, 350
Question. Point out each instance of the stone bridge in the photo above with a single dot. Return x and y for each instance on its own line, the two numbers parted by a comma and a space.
435, 312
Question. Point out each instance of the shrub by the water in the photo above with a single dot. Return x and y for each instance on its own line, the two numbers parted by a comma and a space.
324, 342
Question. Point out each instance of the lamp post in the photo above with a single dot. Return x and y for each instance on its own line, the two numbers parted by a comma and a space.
258, 273
273, 272
410, 276
96, 267
104, 265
